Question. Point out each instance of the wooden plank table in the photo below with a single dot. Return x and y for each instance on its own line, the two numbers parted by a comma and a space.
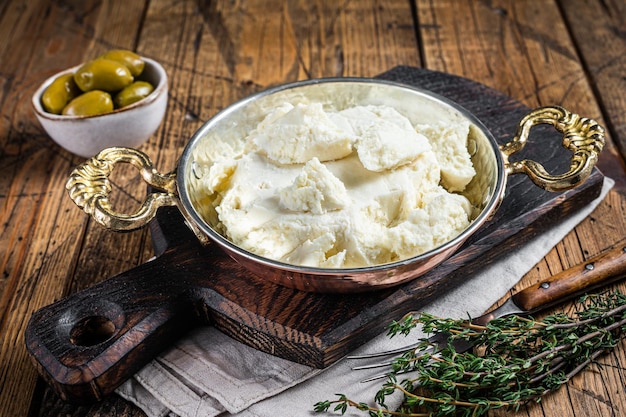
539, 52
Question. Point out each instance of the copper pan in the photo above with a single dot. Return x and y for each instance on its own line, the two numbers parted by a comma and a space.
89, 185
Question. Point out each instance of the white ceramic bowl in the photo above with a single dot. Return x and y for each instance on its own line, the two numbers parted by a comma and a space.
130, 126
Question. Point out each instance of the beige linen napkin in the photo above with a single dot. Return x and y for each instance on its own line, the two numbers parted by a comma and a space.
208, 374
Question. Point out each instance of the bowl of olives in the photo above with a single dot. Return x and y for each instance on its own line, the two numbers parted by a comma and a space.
116, 99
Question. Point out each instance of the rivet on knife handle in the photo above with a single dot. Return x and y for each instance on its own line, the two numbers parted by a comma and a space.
597, 271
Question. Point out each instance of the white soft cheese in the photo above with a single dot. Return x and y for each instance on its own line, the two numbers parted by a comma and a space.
315, 189
442, 219
385, 138
450, 145
294, 135
340, 189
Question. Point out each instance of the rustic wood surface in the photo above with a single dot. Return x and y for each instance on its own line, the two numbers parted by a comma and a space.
568, 52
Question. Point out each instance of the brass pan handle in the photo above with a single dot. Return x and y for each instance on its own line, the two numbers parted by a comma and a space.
584, 137
89, 187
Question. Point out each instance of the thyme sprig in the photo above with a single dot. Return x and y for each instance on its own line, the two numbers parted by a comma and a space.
515, 360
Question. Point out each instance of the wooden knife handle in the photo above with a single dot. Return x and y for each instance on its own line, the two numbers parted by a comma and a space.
88, 343
602, 269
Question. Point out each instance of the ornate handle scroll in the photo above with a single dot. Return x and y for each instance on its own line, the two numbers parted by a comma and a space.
89, 187
584, 137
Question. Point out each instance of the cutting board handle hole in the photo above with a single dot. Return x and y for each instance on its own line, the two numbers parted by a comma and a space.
92, 331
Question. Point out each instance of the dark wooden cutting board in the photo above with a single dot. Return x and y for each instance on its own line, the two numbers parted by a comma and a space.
90, 342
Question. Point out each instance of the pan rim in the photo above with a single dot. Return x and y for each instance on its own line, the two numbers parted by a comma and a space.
346, 273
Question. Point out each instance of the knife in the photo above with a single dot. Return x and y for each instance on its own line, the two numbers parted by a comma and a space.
601, 270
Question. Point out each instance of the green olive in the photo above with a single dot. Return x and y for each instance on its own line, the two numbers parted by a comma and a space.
90, 103
60, 92
131, 60
133, 93
103, 74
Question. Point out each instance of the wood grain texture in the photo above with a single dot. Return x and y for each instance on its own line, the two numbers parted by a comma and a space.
568, 52
522, 48
601, 270
602, 23
40, 241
